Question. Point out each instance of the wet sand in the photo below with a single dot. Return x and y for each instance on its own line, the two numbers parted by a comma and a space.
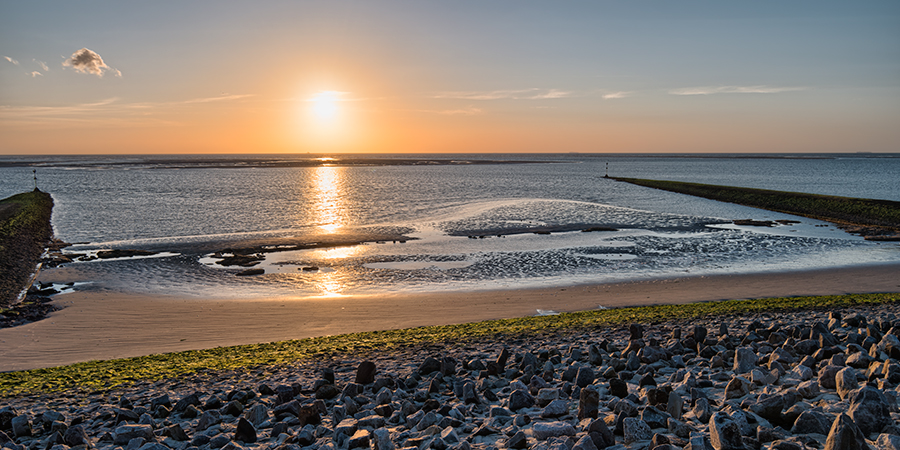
97, 325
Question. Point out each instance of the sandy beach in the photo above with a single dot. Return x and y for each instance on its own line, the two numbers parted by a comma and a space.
110, 325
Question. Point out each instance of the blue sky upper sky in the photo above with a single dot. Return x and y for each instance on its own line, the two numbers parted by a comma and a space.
461, 76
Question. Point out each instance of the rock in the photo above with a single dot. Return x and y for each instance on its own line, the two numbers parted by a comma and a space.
810, 422
869, 409
126, 433
175, 432
123, 253
769, 407
75, 436
373, 421
653, 417
744, 360
846, 381
430, 365
519, 441
588, 403
21, 426
245, 432
634, 430
724, 433
360, 439
585, 376
382, 440
808, 389
545, 396
545, 430
585, 443
309, 415
859, 360
702, 410
208, 419
887, 442
675, 405
636, 331
327, 392
555, 409
737, 387
234, 408
469, 395
250, 272
618, 388
519, 399
845, 435
257, 414
365, 373
600, 434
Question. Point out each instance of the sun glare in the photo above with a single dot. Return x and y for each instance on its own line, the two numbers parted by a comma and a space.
325, 105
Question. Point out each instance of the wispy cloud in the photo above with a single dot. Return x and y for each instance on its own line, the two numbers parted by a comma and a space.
470, 111
615, 95
36, 74
219, 98
107, 111
11, 60
42, 64
88, 61
758, 89
518, 94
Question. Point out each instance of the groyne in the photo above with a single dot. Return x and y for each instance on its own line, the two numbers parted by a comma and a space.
24, 232
874, 219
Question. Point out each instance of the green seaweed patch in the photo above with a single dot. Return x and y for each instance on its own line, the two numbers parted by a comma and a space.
105, 375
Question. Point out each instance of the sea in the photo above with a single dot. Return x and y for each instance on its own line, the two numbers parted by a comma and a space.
338, 225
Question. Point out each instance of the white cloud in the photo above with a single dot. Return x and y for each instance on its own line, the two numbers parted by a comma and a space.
88, 61
42, 64
709, 90
614, 95
518, 94
11, 60
36, 74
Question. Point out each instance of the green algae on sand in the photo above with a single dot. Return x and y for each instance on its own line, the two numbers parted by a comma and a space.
105, 375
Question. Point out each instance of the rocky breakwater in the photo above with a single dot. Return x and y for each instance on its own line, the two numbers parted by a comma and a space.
785, 381
24, 232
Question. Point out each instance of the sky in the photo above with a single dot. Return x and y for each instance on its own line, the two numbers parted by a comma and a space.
90, 77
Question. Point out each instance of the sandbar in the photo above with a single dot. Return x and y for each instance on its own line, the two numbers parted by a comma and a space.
107, 325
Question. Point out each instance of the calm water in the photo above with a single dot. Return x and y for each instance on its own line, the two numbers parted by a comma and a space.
177, 205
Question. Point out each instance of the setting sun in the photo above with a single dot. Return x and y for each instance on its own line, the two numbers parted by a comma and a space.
325, 105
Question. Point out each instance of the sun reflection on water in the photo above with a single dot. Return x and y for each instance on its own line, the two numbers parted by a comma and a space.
337, 252
330, 205
330, 284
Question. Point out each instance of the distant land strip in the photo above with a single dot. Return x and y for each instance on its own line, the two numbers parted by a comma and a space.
24, 231
873, 219
283, 162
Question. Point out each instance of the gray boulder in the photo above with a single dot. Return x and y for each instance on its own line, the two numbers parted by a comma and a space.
869, 409
846, 381
724, 433
634, 430
845, 435
744, 360
545, 430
